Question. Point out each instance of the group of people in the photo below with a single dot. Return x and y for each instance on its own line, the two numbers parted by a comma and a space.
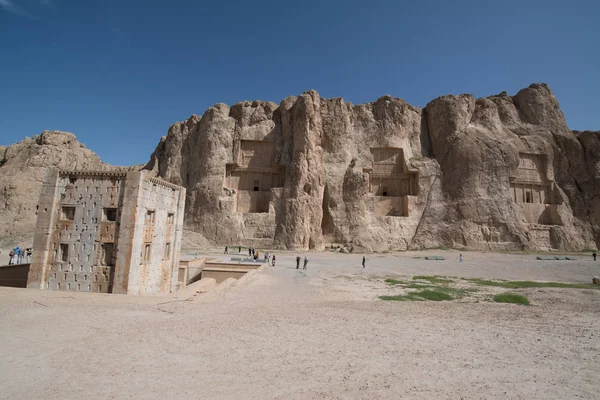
253, 253
298, 262
364, 262
269, 259
20, 254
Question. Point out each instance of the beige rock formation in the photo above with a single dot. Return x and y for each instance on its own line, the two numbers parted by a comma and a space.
22, 172
506, 177
493, 173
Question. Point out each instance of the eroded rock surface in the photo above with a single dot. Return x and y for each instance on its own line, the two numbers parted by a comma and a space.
494, 173
22, 172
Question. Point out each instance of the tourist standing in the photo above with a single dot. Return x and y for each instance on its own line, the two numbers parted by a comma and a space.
364, 261
29, 253
225, 250
594, 255
297, 262
305, 262
239, 249
273, 260
16, 255
460, 258
249, 252
11, 258
21, 255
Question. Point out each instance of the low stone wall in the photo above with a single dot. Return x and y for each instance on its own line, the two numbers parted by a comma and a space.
195, 263
221, 271
190, 270
222, 274
14, 275
233, 265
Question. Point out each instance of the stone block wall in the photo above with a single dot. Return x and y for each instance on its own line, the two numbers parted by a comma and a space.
91, 233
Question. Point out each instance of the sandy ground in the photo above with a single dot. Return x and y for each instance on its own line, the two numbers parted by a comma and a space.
315, 334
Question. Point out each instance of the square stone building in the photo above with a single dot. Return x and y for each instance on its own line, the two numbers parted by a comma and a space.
107, 232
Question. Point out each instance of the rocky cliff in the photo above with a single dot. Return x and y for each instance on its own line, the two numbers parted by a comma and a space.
497, 173
502, 172
21, 175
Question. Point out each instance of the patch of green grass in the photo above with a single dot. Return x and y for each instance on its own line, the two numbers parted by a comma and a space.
434, 295
391, 281
432, 279
401, 297
531, 284
457, 293
416, 285
512, 298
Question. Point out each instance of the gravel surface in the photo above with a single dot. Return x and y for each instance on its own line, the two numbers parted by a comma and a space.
316, 334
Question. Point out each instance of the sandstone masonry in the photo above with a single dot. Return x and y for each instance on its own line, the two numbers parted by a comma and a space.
109, 232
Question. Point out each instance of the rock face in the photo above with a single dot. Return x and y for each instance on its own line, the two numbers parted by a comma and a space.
509, 177
22, 170
494, 173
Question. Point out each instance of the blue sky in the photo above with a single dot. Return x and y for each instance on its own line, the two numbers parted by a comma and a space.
119, 73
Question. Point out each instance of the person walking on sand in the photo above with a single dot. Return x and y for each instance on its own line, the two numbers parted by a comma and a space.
273, 260
460, 258
297, 262
305, 262
225, 250
364, 261
594, 255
